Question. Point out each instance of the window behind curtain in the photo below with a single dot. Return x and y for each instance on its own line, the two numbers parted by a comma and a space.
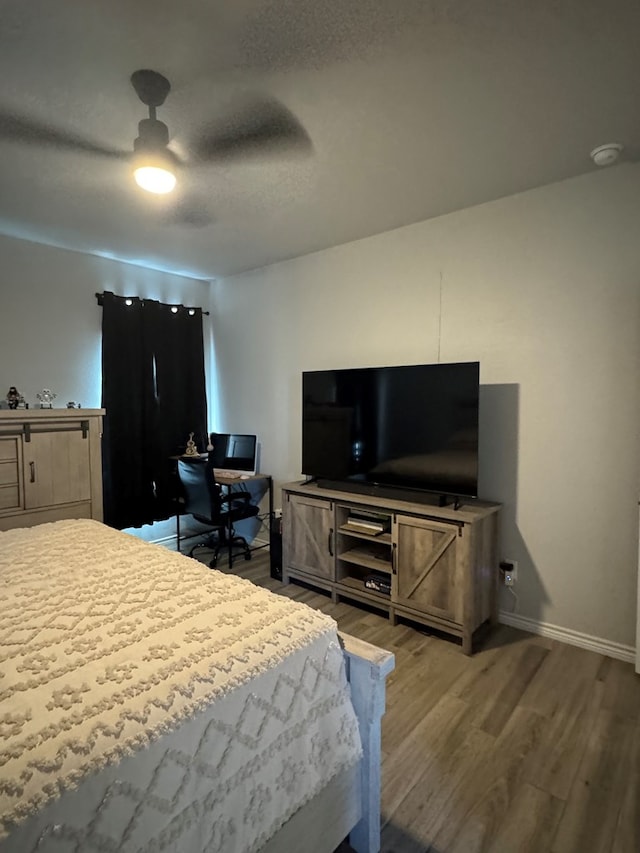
153, 390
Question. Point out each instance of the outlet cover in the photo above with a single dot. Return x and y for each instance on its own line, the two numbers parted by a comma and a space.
509, 571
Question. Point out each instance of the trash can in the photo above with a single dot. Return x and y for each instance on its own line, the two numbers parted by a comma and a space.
275, 547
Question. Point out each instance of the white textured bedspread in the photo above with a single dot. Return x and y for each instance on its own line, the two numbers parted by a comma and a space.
149, 703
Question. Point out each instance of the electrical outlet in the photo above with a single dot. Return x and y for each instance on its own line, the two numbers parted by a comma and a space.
509, 572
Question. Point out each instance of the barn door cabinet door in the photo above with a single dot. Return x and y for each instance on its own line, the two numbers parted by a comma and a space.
57, 467
429, 564
309, 536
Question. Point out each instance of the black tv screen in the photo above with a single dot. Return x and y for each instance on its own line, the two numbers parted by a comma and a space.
414, 427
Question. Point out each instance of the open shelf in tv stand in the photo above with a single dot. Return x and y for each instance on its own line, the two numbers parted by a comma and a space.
441, 560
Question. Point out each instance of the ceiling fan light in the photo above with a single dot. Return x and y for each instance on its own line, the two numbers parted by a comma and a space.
154, 172
155, 180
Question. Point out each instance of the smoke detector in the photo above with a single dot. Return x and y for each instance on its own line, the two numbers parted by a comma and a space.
606, 155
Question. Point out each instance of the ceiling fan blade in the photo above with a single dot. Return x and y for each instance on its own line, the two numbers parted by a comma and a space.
185, 216
264, 126
185, 209
27, 131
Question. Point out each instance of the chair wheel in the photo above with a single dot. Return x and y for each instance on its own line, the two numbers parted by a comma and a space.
247, 556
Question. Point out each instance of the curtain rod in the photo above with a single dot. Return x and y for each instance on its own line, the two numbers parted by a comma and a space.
99, 297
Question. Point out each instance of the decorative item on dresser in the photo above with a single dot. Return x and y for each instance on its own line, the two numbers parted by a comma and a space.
14, 398
46, 397
50, 466
437, 566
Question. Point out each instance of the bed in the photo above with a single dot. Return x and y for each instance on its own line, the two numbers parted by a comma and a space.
148, 703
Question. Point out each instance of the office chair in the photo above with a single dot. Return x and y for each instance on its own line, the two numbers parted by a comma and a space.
205, 501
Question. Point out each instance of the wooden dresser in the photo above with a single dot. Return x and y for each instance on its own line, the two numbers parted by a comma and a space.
50, 465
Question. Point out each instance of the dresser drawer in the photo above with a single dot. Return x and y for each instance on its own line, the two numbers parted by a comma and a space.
9, 497
9, 473
8, 449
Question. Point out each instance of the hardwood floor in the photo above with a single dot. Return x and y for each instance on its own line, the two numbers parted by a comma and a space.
528, 745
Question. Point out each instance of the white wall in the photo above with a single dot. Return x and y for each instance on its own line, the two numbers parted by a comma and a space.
50, 322
544, 290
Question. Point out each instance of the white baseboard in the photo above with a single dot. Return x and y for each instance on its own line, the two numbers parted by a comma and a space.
164, 540
572, 638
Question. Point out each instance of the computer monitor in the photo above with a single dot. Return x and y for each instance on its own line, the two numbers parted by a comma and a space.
233, 453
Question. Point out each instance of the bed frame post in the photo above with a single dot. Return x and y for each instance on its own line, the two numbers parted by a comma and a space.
367, 669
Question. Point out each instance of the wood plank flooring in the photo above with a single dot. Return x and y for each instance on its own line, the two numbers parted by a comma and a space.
528, 745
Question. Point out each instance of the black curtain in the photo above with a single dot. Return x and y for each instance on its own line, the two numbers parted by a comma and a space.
153, 390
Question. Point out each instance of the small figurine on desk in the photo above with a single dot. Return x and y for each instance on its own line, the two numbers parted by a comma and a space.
13, 397
46, 397
191, 450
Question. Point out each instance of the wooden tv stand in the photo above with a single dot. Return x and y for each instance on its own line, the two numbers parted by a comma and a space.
440, 563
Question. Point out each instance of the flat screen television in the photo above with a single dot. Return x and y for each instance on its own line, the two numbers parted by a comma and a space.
413, 427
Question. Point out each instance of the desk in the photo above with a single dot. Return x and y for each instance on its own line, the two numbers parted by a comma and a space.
232, 483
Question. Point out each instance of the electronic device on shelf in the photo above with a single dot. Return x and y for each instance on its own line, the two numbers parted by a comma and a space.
412, 427
379, 583
370, 523
233, 455
358, 526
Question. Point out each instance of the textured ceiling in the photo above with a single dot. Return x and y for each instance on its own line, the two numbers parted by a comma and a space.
412, 108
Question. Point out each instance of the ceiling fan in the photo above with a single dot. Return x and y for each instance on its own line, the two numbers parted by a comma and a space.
264, 126
154, 164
